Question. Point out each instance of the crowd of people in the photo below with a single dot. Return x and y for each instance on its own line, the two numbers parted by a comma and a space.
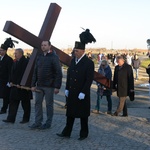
130, 59
123, 82
47, 80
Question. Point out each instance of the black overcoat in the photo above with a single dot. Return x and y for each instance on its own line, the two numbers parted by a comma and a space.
79, 79
5, 69
123, 80
17, 72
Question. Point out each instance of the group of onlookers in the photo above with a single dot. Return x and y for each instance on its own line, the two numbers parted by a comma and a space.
123, 83
131, 59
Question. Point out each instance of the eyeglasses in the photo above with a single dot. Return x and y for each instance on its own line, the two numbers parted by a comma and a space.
102, 64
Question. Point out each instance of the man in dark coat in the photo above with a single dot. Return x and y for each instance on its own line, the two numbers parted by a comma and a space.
79, 79
5, 69
17, 94
47, 77
123, 83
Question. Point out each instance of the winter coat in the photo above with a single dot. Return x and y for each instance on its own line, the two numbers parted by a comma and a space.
47, 71
5, 69
136, 63
17, 72
79, 79
123, 80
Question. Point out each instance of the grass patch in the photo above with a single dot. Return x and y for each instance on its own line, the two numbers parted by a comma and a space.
145, 63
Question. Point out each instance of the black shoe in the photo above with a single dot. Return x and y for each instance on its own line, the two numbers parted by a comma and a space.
45, 126
8, 121
2, 112
81, 138
64, 107
62, 135
124, 116
24, 121
35, 126
115, 114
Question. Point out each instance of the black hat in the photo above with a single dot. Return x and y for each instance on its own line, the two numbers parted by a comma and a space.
8, 43
85, 38
79, 45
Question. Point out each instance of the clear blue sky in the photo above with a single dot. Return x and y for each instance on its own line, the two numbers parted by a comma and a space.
114, 23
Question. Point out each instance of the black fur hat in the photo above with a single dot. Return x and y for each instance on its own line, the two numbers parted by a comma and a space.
8, 43
86, 37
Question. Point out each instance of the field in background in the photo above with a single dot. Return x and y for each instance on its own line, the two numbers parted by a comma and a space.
145, 63
10, 52
94, 52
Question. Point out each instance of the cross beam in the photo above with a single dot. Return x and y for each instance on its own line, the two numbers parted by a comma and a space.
34, 41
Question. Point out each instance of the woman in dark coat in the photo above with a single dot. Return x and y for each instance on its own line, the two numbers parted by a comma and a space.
104, 70
123, 83
79, 79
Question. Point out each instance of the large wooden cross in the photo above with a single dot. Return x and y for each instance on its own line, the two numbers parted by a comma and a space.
34, 41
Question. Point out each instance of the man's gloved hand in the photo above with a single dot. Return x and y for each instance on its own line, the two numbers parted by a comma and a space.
66, 93
81, 96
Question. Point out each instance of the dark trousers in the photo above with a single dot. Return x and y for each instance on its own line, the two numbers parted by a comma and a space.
98, 103
122, 106
69, 125
6, 94
109, 104
13, 108
5, 104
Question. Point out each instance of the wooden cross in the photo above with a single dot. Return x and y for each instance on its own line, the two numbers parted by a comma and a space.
45, 34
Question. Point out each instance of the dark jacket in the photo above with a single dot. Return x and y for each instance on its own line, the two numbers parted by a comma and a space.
17, 72
79, 79
47, 71
108, 74
123, 80
5, 69
136, 63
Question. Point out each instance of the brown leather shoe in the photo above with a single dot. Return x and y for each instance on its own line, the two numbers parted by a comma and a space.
95, 111
115, 114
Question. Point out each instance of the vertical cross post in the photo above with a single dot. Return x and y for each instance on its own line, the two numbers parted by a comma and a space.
45, 34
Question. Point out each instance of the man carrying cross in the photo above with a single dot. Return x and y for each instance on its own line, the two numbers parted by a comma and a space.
17, 94
47, 77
